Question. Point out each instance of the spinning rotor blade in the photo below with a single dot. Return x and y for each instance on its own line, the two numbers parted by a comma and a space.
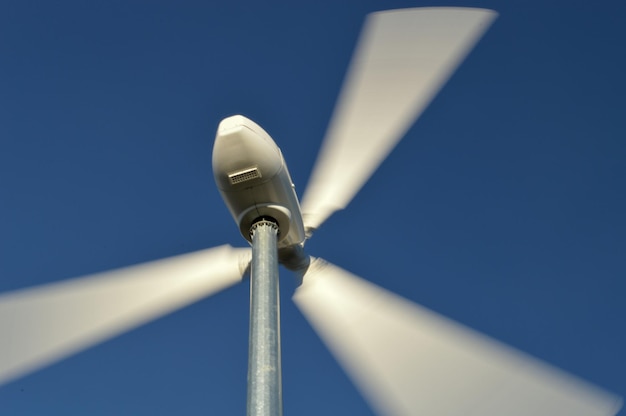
44, 324
402, 60
407, 360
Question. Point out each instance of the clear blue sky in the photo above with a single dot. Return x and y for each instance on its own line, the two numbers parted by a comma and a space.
503, 208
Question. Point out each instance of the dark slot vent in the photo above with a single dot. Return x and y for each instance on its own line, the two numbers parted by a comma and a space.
244, 175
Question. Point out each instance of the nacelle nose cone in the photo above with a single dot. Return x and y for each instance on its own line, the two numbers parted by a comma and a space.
243, 153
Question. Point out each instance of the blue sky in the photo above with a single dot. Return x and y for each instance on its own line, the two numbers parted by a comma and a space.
503, 208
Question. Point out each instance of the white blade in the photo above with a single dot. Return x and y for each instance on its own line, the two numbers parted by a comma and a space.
403, 59
44, 324
407, 360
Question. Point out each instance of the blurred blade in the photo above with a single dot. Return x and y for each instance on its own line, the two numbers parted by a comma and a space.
44, 324
407, 360
402, 60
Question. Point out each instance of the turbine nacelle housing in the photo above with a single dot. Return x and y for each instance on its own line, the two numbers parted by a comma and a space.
251, 174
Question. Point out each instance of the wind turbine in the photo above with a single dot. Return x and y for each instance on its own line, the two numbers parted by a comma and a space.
404, 359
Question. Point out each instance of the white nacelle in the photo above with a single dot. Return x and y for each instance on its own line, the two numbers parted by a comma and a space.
252, 177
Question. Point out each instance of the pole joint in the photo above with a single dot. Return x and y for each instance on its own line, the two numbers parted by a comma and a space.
264, 221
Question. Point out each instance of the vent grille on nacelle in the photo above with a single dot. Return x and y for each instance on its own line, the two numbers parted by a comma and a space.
244, 175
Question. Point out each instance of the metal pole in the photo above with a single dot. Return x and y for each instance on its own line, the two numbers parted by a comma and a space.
264, 372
